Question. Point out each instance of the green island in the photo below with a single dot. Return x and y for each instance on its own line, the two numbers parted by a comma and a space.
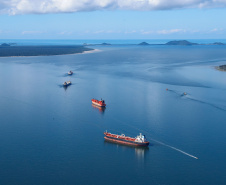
221, 68
7, 50
143, 43
181, 43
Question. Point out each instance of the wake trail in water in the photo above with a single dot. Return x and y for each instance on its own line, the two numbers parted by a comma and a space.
196, 100
63, 118
177, 93
203, 102
181, 151
172, 147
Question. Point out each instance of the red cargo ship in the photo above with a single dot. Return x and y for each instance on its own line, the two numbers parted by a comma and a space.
100, 103
140, 140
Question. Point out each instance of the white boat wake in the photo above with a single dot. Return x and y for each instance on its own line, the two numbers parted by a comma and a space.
181, 151
174, 148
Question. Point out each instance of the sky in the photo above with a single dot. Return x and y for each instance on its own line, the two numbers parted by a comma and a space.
112, 19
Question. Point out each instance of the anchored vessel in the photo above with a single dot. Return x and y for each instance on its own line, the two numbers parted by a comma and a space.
140, 140
67, 83
100, 103
70, 73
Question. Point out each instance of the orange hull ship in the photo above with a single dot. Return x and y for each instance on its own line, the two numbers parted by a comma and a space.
140, 140
100, 103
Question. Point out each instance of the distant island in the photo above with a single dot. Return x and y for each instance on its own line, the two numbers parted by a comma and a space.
218, 43
221, 68
12, 49
144, 43
180, 42
103, 44
5, 45
7, 50
170, 43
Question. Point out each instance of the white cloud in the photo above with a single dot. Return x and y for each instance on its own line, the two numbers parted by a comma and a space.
163, 32
155, 32
216, 30
99, 31
66, 6
31, 32
171, 31
104, 31
130, 32
65, 33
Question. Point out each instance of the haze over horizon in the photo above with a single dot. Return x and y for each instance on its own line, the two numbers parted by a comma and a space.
112, 19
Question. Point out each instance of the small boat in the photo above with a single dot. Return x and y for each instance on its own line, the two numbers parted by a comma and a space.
70, 73
100, 103
140, 140
67, 83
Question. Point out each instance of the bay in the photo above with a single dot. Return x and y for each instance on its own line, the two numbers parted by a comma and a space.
53, 135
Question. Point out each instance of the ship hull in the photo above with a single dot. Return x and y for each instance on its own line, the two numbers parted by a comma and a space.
125, 142
97, 104
65, 85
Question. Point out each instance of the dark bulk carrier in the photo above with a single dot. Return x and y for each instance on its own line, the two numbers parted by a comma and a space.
140, 140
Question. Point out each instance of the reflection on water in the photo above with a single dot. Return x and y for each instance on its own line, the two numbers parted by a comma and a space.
140, 152
64, 86
101, 109
189, 97
34, 104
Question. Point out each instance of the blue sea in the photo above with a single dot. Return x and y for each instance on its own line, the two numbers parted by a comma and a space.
173, 94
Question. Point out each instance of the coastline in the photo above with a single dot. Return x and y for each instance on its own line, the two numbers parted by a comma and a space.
219, 69
90, 50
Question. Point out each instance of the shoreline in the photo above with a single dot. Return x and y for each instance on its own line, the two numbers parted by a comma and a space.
220, 69
91, 51
84, 52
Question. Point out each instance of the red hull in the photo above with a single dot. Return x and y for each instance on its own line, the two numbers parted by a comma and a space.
124, 140
99, 103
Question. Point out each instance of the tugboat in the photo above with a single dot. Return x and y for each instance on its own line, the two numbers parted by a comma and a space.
67, 83
140, 140
100, 103
70, 73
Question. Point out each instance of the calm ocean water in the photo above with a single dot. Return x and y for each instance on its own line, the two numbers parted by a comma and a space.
52, 135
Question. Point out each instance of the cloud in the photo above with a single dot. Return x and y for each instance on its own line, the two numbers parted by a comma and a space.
216, 30
65, 33
66, 6
147, 32
171, 31
105, 31
31, 32
163, 32
130, 32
